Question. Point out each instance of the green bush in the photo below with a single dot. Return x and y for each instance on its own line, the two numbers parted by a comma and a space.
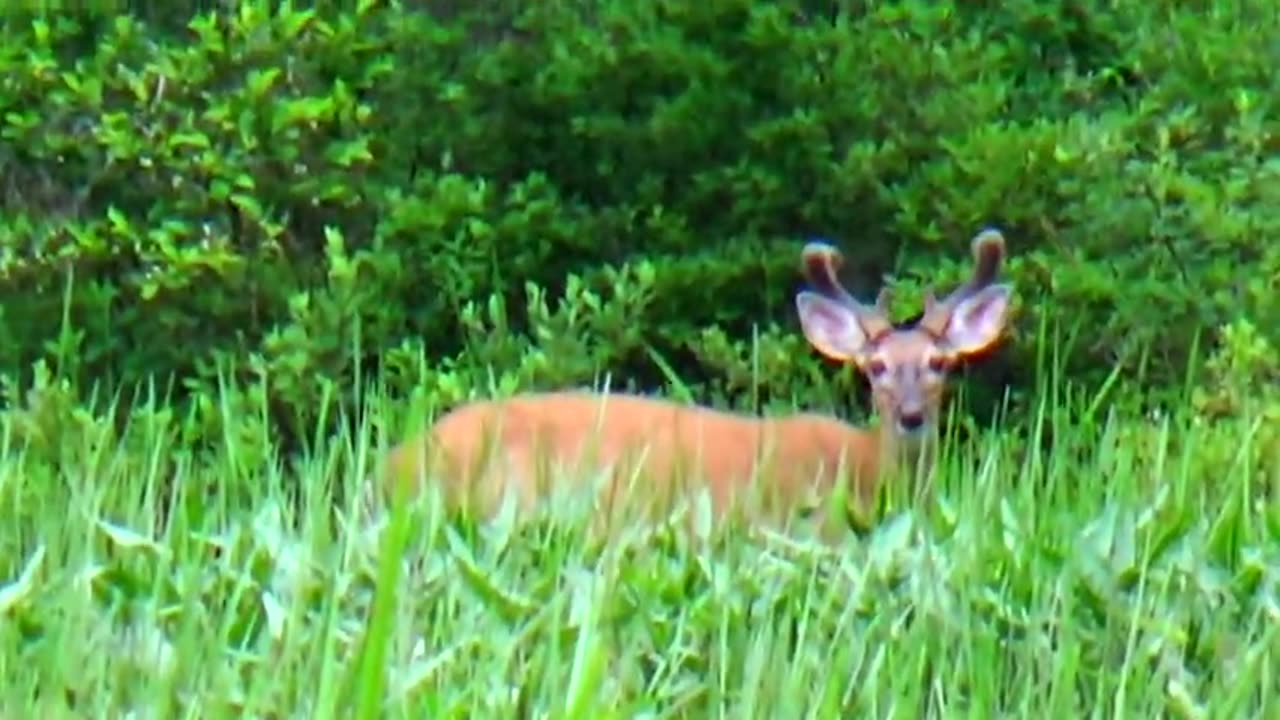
510, 196
216, 224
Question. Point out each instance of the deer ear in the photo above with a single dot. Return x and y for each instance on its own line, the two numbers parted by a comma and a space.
977, 321
832, 328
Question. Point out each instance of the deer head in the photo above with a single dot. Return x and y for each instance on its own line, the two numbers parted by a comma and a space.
907, 367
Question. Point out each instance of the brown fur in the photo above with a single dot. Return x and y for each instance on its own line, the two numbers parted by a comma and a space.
653, 452
483, 448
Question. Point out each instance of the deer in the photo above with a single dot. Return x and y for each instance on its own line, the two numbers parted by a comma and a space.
762, 469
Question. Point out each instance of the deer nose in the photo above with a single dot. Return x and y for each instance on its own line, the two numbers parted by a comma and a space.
911, 421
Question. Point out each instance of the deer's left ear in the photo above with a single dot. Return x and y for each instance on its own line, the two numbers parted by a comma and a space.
832, 328
977, 321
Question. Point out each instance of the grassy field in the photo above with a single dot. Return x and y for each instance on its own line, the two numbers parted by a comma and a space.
1128, 570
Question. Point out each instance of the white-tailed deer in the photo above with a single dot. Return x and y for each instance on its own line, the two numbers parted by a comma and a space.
654, 450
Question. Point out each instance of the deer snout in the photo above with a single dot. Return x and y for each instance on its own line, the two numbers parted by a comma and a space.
910, 421
912, 414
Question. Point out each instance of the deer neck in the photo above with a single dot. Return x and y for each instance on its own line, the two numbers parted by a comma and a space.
910, 457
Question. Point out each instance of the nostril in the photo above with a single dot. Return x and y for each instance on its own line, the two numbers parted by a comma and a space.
911, 421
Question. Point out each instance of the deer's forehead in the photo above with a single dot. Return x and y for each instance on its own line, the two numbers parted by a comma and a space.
906, 346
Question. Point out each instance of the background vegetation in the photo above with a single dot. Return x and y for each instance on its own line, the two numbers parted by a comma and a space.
244, 243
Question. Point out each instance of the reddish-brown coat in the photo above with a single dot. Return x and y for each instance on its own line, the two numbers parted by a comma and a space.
481, 449
658, 451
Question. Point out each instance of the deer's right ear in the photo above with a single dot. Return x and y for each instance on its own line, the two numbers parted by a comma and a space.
977, 321
832, 328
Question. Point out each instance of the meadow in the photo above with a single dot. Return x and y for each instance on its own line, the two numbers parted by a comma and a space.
495, 197
1128, 568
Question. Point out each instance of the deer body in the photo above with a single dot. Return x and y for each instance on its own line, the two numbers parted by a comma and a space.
656, 451
644, 449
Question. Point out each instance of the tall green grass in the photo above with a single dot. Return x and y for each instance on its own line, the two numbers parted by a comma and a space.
1129, 569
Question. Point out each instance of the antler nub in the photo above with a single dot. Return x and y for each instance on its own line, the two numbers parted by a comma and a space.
820, 262
988, 254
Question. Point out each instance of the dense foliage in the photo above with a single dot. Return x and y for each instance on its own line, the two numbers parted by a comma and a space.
544, 194
252, 227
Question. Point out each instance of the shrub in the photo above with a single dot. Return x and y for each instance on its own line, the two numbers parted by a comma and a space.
553, 193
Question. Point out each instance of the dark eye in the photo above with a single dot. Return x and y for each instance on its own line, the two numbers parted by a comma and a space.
936, 363
876, 367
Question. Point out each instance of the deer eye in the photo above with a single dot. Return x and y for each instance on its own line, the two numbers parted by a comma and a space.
876, 367
936, 363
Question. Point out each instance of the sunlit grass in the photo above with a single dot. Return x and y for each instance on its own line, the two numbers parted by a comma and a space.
1129, 569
